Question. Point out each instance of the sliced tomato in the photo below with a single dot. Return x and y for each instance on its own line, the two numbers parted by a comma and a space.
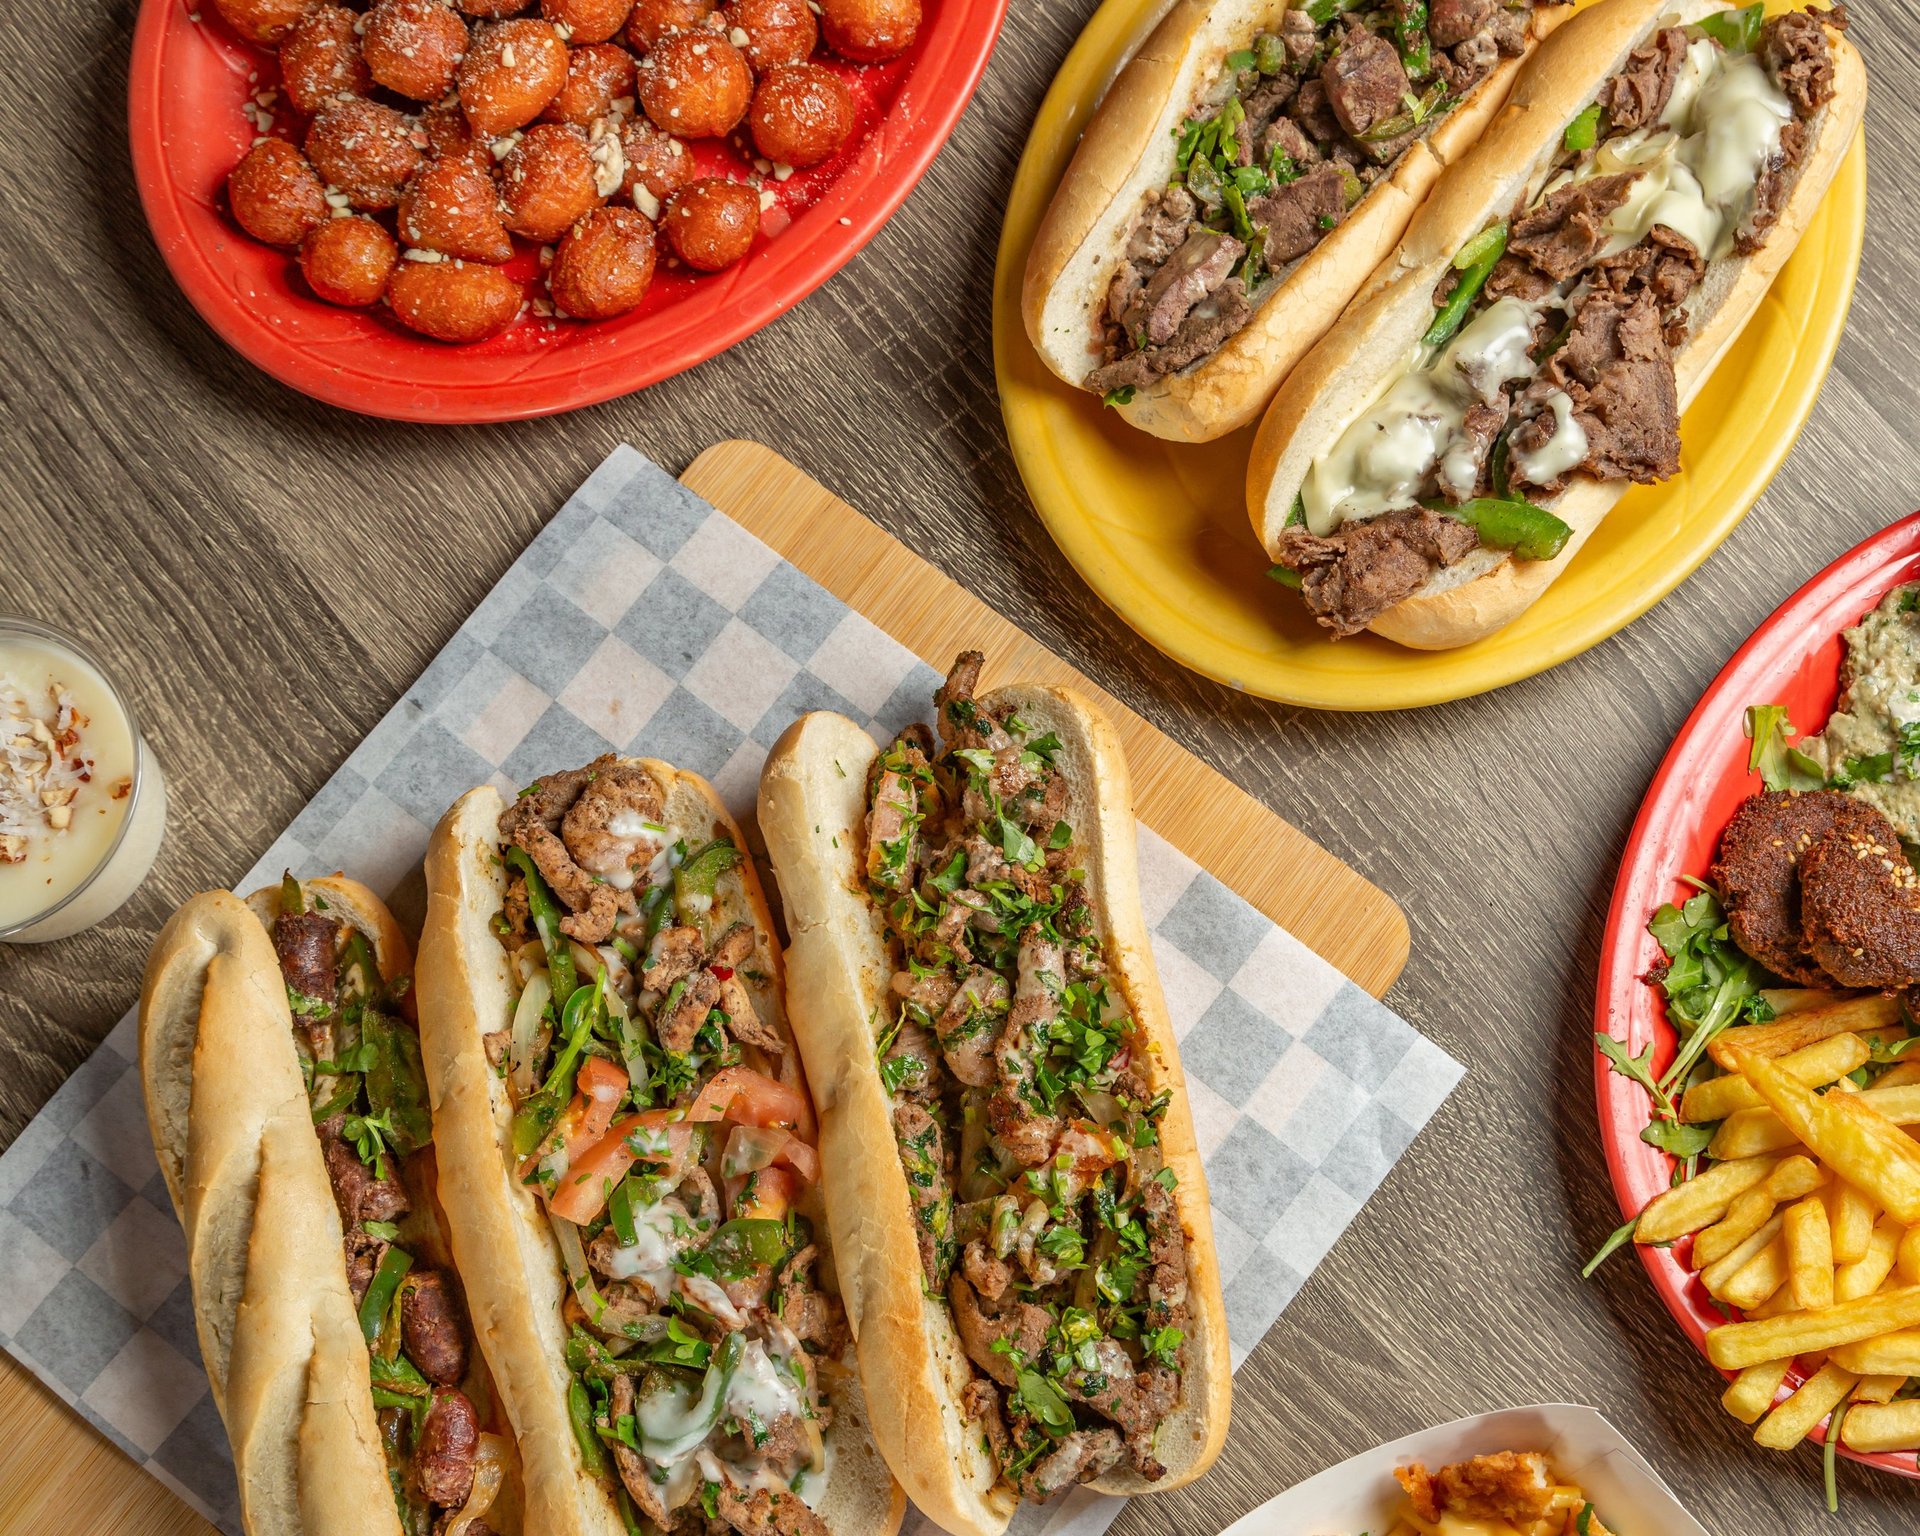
764, 1196
593, 1171
602, 1084
752, 1147
748, 1097
1092, 1148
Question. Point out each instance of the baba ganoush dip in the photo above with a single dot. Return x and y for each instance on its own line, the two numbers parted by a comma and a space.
1870, 745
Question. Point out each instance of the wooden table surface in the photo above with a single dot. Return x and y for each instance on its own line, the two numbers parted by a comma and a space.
273, 573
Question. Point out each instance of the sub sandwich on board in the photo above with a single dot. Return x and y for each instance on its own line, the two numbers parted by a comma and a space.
1013, 1186
1525, 358
283, 1084
1247, 169
629, 1165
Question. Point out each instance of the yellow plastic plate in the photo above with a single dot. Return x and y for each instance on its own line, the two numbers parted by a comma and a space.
1160, 529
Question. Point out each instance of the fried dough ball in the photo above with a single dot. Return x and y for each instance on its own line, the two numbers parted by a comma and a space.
274, 193
320, 59
711, 223
654, 19
587, 21
772, 32
597, 76
453, 300
657, 166
450, 136
802, 114
510, 73
348, 261
364, 149
414, 46
603, 265
452, 206
547, 181
870, 31
695, 84
261, 21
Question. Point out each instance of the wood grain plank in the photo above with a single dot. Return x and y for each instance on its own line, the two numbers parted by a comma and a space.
1293, 880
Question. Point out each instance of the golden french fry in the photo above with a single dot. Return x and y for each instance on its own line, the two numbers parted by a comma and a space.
1716, 1275
1805, 1026
1755, 1132
1809, 1251
1734, 1346
1885, 1354
1850, 1212
1906, 1258
1750, 1211
1883, 1426
1785, 1000
1878, 1389
1900, 1075
1779, 1304
1794, 1419
1758, 1280
1815, 1065
1699, 1202
1752, 1392
1867, 1273
1795, 1176
1853, 1137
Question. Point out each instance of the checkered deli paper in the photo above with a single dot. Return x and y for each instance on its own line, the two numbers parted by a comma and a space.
644, 621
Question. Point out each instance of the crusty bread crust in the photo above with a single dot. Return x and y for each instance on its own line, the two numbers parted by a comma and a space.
234, 1136
501, 1237
1127, 149
1370, 344
813, 815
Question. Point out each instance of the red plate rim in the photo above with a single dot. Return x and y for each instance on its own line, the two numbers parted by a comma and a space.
1793, 657
390, 374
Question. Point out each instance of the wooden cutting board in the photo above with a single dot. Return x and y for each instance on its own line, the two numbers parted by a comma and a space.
1284, 873
54, 1464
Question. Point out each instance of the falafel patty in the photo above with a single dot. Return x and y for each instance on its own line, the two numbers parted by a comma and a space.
1860, 908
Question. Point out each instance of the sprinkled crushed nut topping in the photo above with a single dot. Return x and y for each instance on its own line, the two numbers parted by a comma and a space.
42, 766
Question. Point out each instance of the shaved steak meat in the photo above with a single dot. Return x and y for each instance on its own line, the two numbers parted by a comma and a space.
1563, 234
1794, 48
1638, 94
1617, 368
1369, 564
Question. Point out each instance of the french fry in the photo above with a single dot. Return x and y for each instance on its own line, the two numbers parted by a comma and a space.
1877, 1389
1777, 1305
1759, 1279
1883, 1426
1699, 1202
1867, 1273
1809, 1252
1735, 1346
1794, 1419
1716, 1275
1886, 1355
1853, 1137
1750, 1133
1815, 1065
1899, 1075
1807, 1026
1750, 1211
1785, 1000
1850, 1212
1752, 1392
1906, 1259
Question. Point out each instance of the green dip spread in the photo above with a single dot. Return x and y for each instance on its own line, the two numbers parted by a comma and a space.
1872, 740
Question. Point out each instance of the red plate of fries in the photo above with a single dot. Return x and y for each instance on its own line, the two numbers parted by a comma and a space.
1793, 660
195, 98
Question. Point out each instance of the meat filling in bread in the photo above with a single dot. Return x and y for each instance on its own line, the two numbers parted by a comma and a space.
361, 1061
1551, 352
646, 1061
1289, 136
1029, 1140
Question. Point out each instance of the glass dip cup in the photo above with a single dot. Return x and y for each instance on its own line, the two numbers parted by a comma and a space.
83, 804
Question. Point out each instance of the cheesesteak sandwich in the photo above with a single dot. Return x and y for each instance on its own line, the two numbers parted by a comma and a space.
1448, 446
1016, 1197
284, 1090
1249, 167
628, 1162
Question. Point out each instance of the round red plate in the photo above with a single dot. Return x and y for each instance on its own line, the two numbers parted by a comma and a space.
192, 77
1792, 659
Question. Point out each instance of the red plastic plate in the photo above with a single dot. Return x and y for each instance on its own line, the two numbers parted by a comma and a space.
1792, 659
191, 78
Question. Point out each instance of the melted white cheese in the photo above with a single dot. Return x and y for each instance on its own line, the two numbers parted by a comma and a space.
1562, 451
761, 1391
649, 1259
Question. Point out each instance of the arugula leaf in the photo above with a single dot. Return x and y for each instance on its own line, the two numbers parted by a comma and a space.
1679, 1139
1779, 765
1617, 1239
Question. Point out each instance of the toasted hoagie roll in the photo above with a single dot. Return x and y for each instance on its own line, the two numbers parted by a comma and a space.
282, 1078
1451, 443
1246, 170
628, 1163
1017, 1201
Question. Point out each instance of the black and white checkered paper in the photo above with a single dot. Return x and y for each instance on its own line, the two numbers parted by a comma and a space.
642, 620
